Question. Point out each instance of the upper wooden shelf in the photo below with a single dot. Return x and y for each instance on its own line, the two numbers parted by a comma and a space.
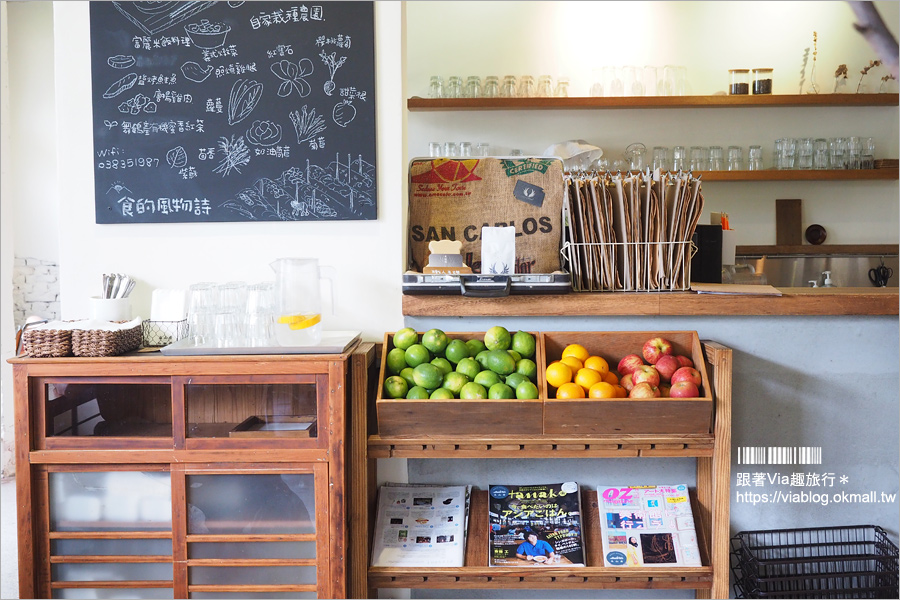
800, 175
417, 103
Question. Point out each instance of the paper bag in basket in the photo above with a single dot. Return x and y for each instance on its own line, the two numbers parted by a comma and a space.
454, 198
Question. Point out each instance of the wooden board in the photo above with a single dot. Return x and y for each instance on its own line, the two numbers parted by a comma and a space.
788, 222
596, 416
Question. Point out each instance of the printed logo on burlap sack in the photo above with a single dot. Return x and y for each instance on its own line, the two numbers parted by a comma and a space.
448, 170
525, 166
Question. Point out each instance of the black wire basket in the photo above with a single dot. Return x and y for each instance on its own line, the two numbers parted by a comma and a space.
162, 333
829, 562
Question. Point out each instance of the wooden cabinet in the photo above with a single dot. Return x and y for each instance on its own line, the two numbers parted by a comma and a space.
712, 451
148, 476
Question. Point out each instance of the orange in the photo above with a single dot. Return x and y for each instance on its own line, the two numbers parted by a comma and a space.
620, 391
573, 362
570, 391
558, 373
576, 350
597, 363
611, 377
587, 377
602, 389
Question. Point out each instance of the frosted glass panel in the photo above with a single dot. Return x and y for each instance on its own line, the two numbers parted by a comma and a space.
110, 501
252, 550
111, 547
227, 504
215, 410
117, 594
242, 595
112, 572
252, 575
102, 409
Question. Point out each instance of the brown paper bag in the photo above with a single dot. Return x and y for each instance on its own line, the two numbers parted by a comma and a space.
453, 198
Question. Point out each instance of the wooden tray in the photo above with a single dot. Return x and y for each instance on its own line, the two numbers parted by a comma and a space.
274, 426
625, 416
402, 417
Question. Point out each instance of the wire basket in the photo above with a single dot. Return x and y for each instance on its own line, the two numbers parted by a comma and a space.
830, 562
162, 333
629, 266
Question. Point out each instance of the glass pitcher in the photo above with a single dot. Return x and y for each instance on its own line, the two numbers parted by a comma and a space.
298, 300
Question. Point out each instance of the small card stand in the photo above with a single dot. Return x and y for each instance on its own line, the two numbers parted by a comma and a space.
445, 259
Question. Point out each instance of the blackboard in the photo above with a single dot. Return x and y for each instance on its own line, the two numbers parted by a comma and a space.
233, 111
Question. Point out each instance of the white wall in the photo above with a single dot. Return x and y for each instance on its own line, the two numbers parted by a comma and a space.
366, 254
6, 255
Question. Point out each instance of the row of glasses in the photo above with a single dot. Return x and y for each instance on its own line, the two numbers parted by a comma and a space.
458, 149
232, 314
852, 152
493, 87
706, 158
649, 80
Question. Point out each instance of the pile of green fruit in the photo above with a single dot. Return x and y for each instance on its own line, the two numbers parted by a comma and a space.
501, 366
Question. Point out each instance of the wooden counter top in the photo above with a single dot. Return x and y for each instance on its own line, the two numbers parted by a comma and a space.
792, 302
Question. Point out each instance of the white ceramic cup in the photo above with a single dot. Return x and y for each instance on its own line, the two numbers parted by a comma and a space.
110, 309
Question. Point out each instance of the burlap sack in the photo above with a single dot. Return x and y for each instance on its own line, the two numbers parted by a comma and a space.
453, 199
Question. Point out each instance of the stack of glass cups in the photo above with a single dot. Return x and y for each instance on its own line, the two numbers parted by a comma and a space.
755, 160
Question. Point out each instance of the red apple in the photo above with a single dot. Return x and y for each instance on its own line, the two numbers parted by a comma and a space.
629, 364
686, 374
684, 361
656, 347
645, 373
666, 365
626, 382
664, 390
684, 389
644, 390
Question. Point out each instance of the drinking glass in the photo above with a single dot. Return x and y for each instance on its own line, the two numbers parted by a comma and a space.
820, 153
612, 83
260, 314
465, 148
805, 153
597, 85
699, 158
435, 149
716, 158
854, 148
679, 158
228, 331
650, 81
777, 153
836, 148
483, 149
788, 153
508, 88
660, 158
735, 158
491, 86
232, 297
755, 162
454, 88
632, 81
544, 86
436, 87
562, 87
526, 87
473, 87
867, 156
451, 149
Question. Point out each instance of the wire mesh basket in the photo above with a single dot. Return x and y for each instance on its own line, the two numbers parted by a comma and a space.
162, 333
830, 562
629, 266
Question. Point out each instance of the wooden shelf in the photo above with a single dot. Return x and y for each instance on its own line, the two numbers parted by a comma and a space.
792, 302
823, 249
800, 175
590, 103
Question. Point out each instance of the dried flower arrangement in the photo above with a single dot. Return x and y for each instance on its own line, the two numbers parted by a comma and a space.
840, 77
872, 64
813, 86
885, 79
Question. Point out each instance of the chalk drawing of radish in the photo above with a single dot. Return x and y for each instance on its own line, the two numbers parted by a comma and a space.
333, 65
343, 113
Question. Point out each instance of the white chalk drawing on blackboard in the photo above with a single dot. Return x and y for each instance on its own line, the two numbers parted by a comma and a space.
110, 124
293, 77
264, 133
234, 4
138, 103
343, 113
194, 72
339, 190
118, 187
153, 17
245, 95
333, 65
121, 61
307, 124
207, 35
120, 85
235, 154
177, 157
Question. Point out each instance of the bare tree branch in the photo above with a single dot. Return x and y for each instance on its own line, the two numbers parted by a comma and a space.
872, 27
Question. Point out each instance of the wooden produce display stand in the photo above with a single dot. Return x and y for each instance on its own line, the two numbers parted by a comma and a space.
130, 476
711, 448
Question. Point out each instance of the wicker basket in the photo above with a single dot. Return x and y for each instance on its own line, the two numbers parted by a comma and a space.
47, 343
97, 342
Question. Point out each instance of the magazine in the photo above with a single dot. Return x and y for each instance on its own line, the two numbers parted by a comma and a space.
647, 526
421, 526
536, 525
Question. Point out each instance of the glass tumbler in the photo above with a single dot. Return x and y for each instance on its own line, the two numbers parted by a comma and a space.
788, 153
544, 87
651, 81
805, 153
755, 159
836, 148
562, 87
465, 148
508, 88
491, 86
454, 88
820, 153
435, 149
612, 82
716, 158
660, 158
451, 149
867, 157
735, 158
483, 149
632, 81
699, 158
473, 87
436, 87
526, 87
679, 158
854, 148
777, 153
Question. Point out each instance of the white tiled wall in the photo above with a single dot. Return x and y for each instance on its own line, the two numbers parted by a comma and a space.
35, 289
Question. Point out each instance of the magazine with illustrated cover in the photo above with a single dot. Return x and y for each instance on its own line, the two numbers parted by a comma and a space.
421, 526
647, 526
536, 525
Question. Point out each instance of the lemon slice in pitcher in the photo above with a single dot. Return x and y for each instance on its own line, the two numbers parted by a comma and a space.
300, 321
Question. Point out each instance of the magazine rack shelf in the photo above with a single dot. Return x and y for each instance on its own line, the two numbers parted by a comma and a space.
710, 504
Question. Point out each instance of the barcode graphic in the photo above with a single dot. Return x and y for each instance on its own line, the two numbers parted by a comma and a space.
780, 455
